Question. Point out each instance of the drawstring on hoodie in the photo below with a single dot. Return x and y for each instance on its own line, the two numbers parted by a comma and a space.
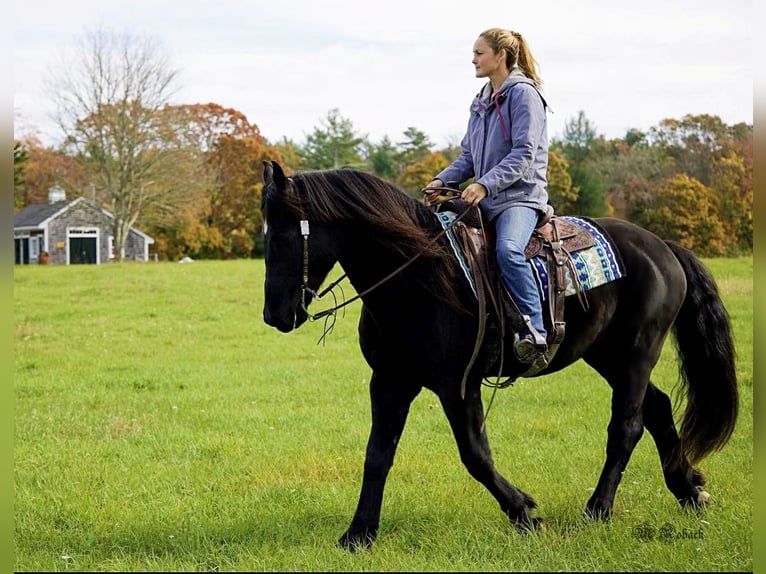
506, 136
498, 107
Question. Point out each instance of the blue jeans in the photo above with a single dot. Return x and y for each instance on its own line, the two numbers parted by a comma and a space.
513, 228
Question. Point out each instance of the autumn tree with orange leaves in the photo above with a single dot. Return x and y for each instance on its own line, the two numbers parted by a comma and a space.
719, 157
221, 218
42, 169
415, 176
685, 210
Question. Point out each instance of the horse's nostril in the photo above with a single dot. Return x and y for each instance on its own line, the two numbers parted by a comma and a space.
285, 325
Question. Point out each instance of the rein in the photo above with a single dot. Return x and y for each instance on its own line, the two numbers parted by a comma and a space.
331, 311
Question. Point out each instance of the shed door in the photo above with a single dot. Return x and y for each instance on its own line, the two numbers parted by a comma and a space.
21, 250
82, 250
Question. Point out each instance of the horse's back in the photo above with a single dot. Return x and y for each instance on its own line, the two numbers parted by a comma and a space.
648, 261
644, 300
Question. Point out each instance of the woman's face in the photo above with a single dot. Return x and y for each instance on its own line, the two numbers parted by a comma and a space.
485, 60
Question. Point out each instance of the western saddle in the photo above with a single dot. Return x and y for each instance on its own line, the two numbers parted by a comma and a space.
554, 239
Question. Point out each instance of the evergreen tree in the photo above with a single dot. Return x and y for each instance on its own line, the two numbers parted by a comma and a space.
578, 147
382, 158
333, 145
415, 146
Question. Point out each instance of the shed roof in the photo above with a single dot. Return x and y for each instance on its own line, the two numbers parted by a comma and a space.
35, 215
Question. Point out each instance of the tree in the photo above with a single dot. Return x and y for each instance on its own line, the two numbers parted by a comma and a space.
561, 195
415, 176
221, 217
720, 157
579, 147
44, 167
735, 193
289, 151
403, 163
235, 197
20, 156
108, 104
333, 145
630, 170
696, 142
415, 146
382, 159
453, 149
579, 135
686, 211
737, 197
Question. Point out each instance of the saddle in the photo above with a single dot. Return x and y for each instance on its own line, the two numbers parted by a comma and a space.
553, 238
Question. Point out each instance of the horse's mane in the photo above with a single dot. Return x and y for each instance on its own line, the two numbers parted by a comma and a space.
395, 220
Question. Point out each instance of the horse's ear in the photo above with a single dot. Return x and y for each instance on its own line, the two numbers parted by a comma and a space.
272, 173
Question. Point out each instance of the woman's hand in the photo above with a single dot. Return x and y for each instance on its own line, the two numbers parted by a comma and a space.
473, 194
432, 194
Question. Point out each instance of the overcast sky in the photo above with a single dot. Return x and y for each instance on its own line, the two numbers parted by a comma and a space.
393, 64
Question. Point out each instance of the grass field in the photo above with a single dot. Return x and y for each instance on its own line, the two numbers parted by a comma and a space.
160, 425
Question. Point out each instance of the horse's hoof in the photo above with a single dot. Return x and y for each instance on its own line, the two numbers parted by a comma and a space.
600, 514
529, 524
356, 541
697, 501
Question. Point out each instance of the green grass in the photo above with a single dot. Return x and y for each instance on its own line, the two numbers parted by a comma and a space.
160, 425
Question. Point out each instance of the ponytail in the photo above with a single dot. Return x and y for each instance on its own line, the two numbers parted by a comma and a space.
526, 62
517, 52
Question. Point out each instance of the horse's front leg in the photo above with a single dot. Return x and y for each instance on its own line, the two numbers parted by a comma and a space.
466, 418
390, 405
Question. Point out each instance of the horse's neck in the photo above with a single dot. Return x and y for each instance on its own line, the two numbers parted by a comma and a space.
373, 267
366, 263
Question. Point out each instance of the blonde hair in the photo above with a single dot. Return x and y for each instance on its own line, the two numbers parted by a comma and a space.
517, 52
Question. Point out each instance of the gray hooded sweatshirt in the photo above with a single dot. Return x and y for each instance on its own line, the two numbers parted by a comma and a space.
506, 147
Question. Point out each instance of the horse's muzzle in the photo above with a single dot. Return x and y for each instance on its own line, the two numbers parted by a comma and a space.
284, 322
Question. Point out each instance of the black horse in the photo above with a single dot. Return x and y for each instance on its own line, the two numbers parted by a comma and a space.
418, 327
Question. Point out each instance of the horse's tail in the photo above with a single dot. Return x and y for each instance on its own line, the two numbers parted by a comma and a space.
706, 350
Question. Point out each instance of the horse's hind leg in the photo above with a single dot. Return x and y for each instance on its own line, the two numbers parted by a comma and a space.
390, 406
466, 419
682, 480
624, 431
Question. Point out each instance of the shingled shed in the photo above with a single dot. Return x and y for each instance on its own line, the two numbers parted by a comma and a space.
68, 231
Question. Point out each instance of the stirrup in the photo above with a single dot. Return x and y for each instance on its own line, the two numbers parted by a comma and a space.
531, 347
527, 351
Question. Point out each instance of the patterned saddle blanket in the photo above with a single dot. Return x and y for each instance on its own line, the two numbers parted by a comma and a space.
594, 266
